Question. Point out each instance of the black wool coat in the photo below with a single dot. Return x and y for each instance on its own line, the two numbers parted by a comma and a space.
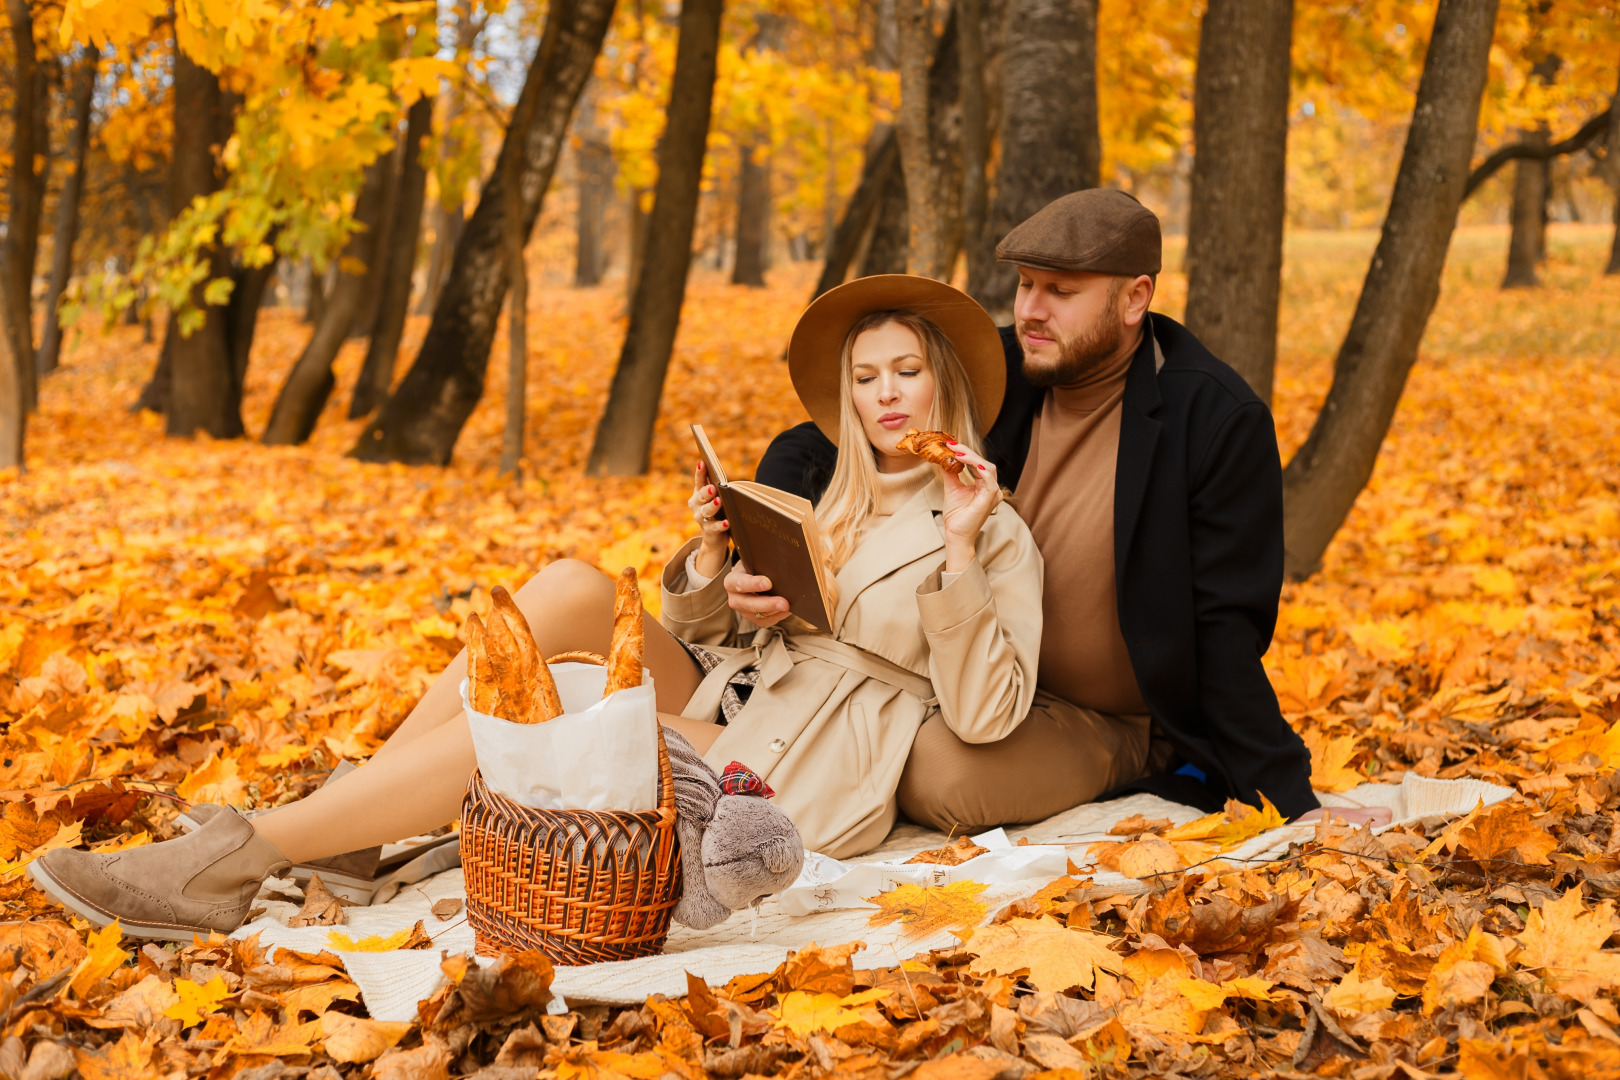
1198, 559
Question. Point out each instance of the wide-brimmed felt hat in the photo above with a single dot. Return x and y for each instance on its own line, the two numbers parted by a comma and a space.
817, 346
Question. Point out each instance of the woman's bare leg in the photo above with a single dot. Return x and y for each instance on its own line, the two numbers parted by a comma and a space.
569, 606
365, 808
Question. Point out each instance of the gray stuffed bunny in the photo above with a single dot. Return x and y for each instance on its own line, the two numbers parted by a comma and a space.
736, 849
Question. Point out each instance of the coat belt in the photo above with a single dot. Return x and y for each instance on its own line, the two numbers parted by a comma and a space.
773, 653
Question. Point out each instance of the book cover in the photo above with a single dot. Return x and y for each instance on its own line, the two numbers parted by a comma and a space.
775, 534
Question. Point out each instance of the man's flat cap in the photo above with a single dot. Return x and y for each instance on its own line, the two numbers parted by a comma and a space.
1097, 231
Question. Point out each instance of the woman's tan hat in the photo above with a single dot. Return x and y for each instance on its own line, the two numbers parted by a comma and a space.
818, 340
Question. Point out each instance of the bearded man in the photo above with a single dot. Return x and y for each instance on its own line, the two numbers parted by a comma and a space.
1148, 472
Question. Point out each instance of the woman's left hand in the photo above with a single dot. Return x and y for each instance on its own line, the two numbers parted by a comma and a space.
970, 496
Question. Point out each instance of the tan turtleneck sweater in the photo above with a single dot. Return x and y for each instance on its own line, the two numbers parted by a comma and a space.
1066, 494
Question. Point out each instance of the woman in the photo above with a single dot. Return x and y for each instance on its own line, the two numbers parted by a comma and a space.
939, 606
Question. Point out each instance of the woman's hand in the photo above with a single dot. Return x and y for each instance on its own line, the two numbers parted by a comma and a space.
970, 496
705, 507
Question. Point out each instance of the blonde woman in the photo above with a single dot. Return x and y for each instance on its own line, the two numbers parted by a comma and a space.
938, 610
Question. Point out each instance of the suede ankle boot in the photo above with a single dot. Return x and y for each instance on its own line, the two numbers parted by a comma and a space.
352, 875
196, 884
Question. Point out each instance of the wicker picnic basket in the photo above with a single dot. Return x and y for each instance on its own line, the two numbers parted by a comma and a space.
582, 886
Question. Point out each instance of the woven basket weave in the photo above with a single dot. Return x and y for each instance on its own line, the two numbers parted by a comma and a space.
582, 886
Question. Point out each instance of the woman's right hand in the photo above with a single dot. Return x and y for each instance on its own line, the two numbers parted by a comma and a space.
705, 507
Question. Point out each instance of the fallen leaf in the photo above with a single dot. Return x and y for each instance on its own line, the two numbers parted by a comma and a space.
322, 907
1055, 956
803, 1012
928, 909
196, 1002
353, 1039
446, 908
955, 853
101, 960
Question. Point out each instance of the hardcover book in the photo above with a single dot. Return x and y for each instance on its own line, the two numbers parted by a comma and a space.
775, 534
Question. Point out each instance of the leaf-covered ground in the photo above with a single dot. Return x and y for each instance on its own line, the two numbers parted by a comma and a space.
186, 620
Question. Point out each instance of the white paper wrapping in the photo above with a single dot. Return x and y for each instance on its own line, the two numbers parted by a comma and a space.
601, 754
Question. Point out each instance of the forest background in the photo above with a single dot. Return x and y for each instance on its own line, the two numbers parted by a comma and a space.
257, 261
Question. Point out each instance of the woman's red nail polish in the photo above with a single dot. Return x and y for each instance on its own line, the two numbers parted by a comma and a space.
717, 502
981, 468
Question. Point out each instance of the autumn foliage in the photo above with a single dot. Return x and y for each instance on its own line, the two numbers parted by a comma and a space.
217, 621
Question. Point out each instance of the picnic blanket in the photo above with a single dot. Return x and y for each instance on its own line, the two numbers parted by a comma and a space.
824, 906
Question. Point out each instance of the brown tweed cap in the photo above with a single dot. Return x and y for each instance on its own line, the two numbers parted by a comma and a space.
1097, 231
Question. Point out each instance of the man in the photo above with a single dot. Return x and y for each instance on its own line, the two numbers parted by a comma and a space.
1148, 472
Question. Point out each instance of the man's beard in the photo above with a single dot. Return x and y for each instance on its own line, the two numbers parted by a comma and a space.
1078, 356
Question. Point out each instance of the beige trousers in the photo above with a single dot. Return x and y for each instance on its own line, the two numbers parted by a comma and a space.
1062, 755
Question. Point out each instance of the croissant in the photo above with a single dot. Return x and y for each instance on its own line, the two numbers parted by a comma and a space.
629, 635
931, 447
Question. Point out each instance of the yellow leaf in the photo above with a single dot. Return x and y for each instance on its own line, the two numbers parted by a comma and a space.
1354, 996
1330, 760
103, 958
216, 780
67, 835
1055, 956
925, 909
196, 1001
356, 1039
342, 942
803, 1012
1232, 826
1203, 995
1563, 945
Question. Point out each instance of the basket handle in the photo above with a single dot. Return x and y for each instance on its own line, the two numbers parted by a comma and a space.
579, 656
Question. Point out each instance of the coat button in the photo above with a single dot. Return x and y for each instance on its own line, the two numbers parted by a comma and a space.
777, 746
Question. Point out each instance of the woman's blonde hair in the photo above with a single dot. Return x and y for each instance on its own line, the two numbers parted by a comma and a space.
851, 496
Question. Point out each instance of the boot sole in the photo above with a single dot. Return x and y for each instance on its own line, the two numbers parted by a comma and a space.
84, 909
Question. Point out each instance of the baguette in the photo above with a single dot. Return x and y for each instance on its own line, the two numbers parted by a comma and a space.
629, 635
534, 692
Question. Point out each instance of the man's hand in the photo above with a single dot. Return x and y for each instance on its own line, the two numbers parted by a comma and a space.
1350, 815
749, 596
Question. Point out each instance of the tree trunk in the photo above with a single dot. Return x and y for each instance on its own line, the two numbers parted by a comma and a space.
242, 315
448, 225
310, 382
379, 244
1049, 140
202, 389
975, 139
595, 183
154, 396
926, 243
517, 299
1528, 215
1323, 479
319, 287
881, 169
398, 265
624, 437
67, 212
29, 143
1611, 167
890, 242
753, 220
422, 418
1239, 176
889, 247
13, 411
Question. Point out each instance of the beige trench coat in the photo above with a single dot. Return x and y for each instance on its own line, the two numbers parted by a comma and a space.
832, 720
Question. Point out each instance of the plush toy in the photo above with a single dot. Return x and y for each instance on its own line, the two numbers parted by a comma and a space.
736, 848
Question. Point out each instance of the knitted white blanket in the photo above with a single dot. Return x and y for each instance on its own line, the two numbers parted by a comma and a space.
391, 983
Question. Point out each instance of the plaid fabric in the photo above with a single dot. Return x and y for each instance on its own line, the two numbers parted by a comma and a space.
740, 685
